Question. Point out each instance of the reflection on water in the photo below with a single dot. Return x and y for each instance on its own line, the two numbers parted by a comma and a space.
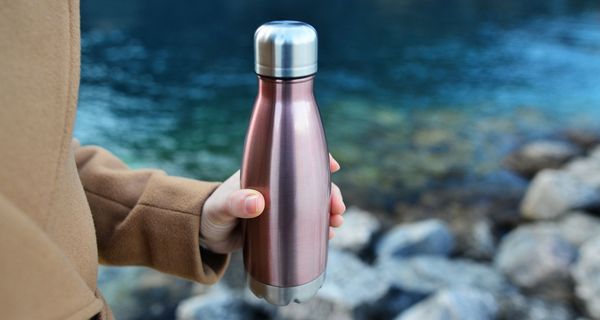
414, 94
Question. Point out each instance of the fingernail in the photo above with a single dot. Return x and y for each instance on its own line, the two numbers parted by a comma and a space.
251, 204
336, 164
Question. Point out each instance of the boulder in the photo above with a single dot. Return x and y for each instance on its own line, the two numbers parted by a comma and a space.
352, 290
518, 306
577, 227
537, 259
428, 274
553, 192
583, 137
142, 293
586, 274
222, 303
428, 237
587, 170
454, 304
359, 227
536, 156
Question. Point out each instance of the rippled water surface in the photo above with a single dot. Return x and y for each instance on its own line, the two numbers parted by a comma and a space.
414, 94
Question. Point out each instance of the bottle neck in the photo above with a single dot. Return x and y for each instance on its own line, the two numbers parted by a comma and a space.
286, 89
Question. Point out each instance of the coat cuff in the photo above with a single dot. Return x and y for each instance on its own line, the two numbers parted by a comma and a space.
173, 206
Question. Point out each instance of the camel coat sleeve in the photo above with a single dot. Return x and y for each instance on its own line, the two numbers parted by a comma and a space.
145, 217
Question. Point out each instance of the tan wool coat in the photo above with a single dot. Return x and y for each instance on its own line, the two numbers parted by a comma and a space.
65, 208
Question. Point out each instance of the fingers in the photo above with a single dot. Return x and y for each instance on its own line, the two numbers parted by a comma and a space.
337, 201
245, 203
331, 233
333, 164
336, 220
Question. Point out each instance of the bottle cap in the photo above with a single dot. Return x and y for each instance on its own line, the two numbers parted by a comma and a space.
285, 49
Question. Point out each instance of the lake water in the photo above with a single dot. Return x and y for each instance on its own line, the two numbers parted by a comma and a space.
414, 95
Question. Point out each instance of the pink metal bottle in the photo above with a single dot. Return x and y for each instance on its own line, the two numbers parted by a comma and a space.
286, 159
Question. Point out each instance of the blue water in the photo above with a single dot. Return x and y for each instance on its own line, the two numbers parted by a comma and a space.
414, 94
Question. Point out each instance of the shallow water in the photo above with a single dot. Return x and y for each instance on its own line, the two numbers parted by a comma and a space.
414, 94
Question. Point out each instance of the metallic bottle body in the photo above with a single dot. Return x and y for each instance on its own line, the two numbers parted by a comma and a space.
286, 159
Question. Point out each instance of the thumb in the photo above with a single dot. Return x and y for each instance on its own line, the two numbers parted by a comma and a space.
245, 203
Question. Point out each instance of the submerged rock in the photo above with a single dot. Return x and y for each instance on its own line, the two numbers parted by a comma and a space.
537, 258
553, 192
539, 155
359, 228
428, 274
454, 304
429, 237
586, 274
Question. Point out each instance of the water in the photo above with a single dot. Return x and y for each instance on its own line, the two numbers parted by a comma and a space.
414, 95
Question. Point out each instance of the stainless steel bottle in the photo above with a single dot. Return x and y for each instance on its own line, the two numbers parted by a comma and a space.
286, 159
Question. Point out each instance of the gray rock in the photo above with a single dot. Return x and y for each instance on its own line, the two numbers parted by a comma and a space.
539, 155
585, 138
350, 282
474, 239
317, 309
427, 274
517, 306
577, 227
142, 293
553, 192
586, 274
352, 290
428, 237
359, 227
537, 259
454, 304
586, 170
223, 304
235, 276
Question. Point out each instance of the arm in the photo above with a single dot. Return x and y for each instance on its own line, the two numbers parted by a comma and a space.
144, 217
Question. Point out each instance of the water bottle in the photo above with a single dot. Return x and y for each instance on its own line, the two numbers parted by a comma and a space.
286, 159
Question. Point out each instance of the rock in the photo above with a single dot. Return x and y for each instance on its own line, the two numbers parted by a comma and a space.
537, 259
350, 282
141, 293
577, 227
352, 290
553, 192
454, 304
359, 227
235, 276
586, 274
428, 274
316, 308
428, 237
475, 239
222, 304
517, 306
584, 138
587, 170
539, 155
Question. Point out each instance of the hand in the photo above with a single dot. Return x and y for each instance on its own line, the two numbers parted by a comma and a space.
219, 229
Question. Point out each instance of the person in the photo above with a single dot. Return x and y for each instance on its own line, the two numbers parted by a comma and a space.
64, 207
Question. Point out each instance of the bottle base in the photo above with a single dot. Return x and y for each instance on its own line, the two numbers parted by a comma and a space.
282, 296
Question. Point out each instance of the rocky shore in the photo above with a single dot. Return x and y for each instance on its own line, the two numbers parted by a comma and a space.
543, 262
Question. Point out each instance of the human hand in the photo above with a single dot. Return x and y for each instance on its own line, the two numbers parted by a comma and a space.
220, 229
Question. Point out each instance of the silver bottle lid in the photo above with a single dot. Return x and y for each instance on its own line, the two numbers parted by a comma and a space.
285, 49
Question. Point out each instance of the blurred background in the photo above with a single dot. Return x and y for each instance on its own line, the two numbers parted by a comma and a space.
440, 113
